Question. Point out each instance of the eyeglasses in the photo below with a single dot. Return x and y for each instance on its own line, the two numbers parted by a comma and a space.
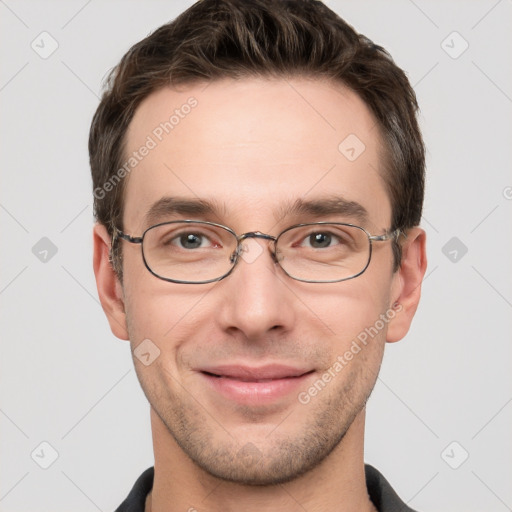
198, 252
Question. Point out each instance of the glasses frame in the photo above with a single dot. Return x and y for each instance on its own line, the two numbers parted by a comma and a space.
235, 257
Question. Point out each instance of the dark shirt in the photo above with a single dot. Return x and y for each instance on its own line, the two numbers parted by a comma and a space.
380, 491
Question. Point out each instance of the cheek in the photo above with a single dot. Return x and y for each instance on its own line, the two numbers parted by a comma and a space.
349, 308
163, 312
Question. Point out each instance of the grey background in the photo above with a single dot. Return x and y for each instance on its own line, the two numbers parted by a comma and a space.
66, 380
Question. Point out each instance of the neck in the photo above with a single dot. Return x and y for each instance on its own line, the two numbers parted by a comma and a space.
338, 483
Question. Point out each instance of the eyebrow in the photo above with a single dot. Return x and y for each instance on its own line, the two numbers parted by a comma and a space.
323, 207
316, 208
168, 206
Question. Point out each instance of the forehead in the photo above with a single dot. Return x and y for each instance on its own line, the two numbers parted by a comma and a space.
252, 147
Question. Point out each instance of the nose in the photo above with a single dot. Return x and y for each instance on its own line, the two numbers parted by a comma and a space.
256, 297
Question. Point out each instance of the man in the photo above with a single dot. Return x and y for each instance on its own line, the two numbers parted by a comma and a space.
258, 178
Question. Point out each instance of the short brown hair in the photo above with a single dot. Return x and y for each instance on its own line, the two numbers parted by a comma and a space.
216, 39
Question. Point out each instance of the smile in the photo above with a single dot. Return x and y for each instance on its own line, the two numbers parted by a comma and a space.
255, 386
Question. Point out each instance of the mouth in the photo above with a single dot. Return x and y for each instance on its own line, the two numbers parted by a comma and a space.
249, 379
255, 386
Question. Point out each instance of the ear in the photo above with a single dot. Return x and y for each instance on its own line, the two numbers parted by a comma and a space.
110, 289
406, 288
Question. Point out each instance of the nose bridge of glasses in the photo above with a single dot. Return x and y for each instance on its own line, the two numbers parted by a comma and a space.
255, 234
251, 234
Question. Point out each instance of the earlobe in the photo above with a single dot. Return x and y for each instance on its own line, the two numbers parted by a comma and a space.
109, 288
406, 290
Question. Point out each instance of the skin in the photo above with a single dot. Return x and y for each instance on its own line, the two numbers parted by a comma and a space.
254, 144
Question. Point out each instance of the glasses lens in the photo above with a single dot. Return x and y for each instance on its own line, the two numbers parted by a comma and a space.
189, 251
323, 252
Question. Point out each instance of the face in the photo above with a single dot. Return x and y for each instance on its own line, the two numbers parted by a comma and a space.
240, 359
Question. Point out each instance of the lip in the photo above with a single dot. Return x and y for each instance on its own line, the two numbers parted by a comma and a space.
255, 385
253, 373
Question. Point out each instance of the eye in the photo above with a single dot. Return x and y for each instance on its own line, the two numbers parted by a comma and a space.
323, 240
173, 238
319, 240
190, 240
